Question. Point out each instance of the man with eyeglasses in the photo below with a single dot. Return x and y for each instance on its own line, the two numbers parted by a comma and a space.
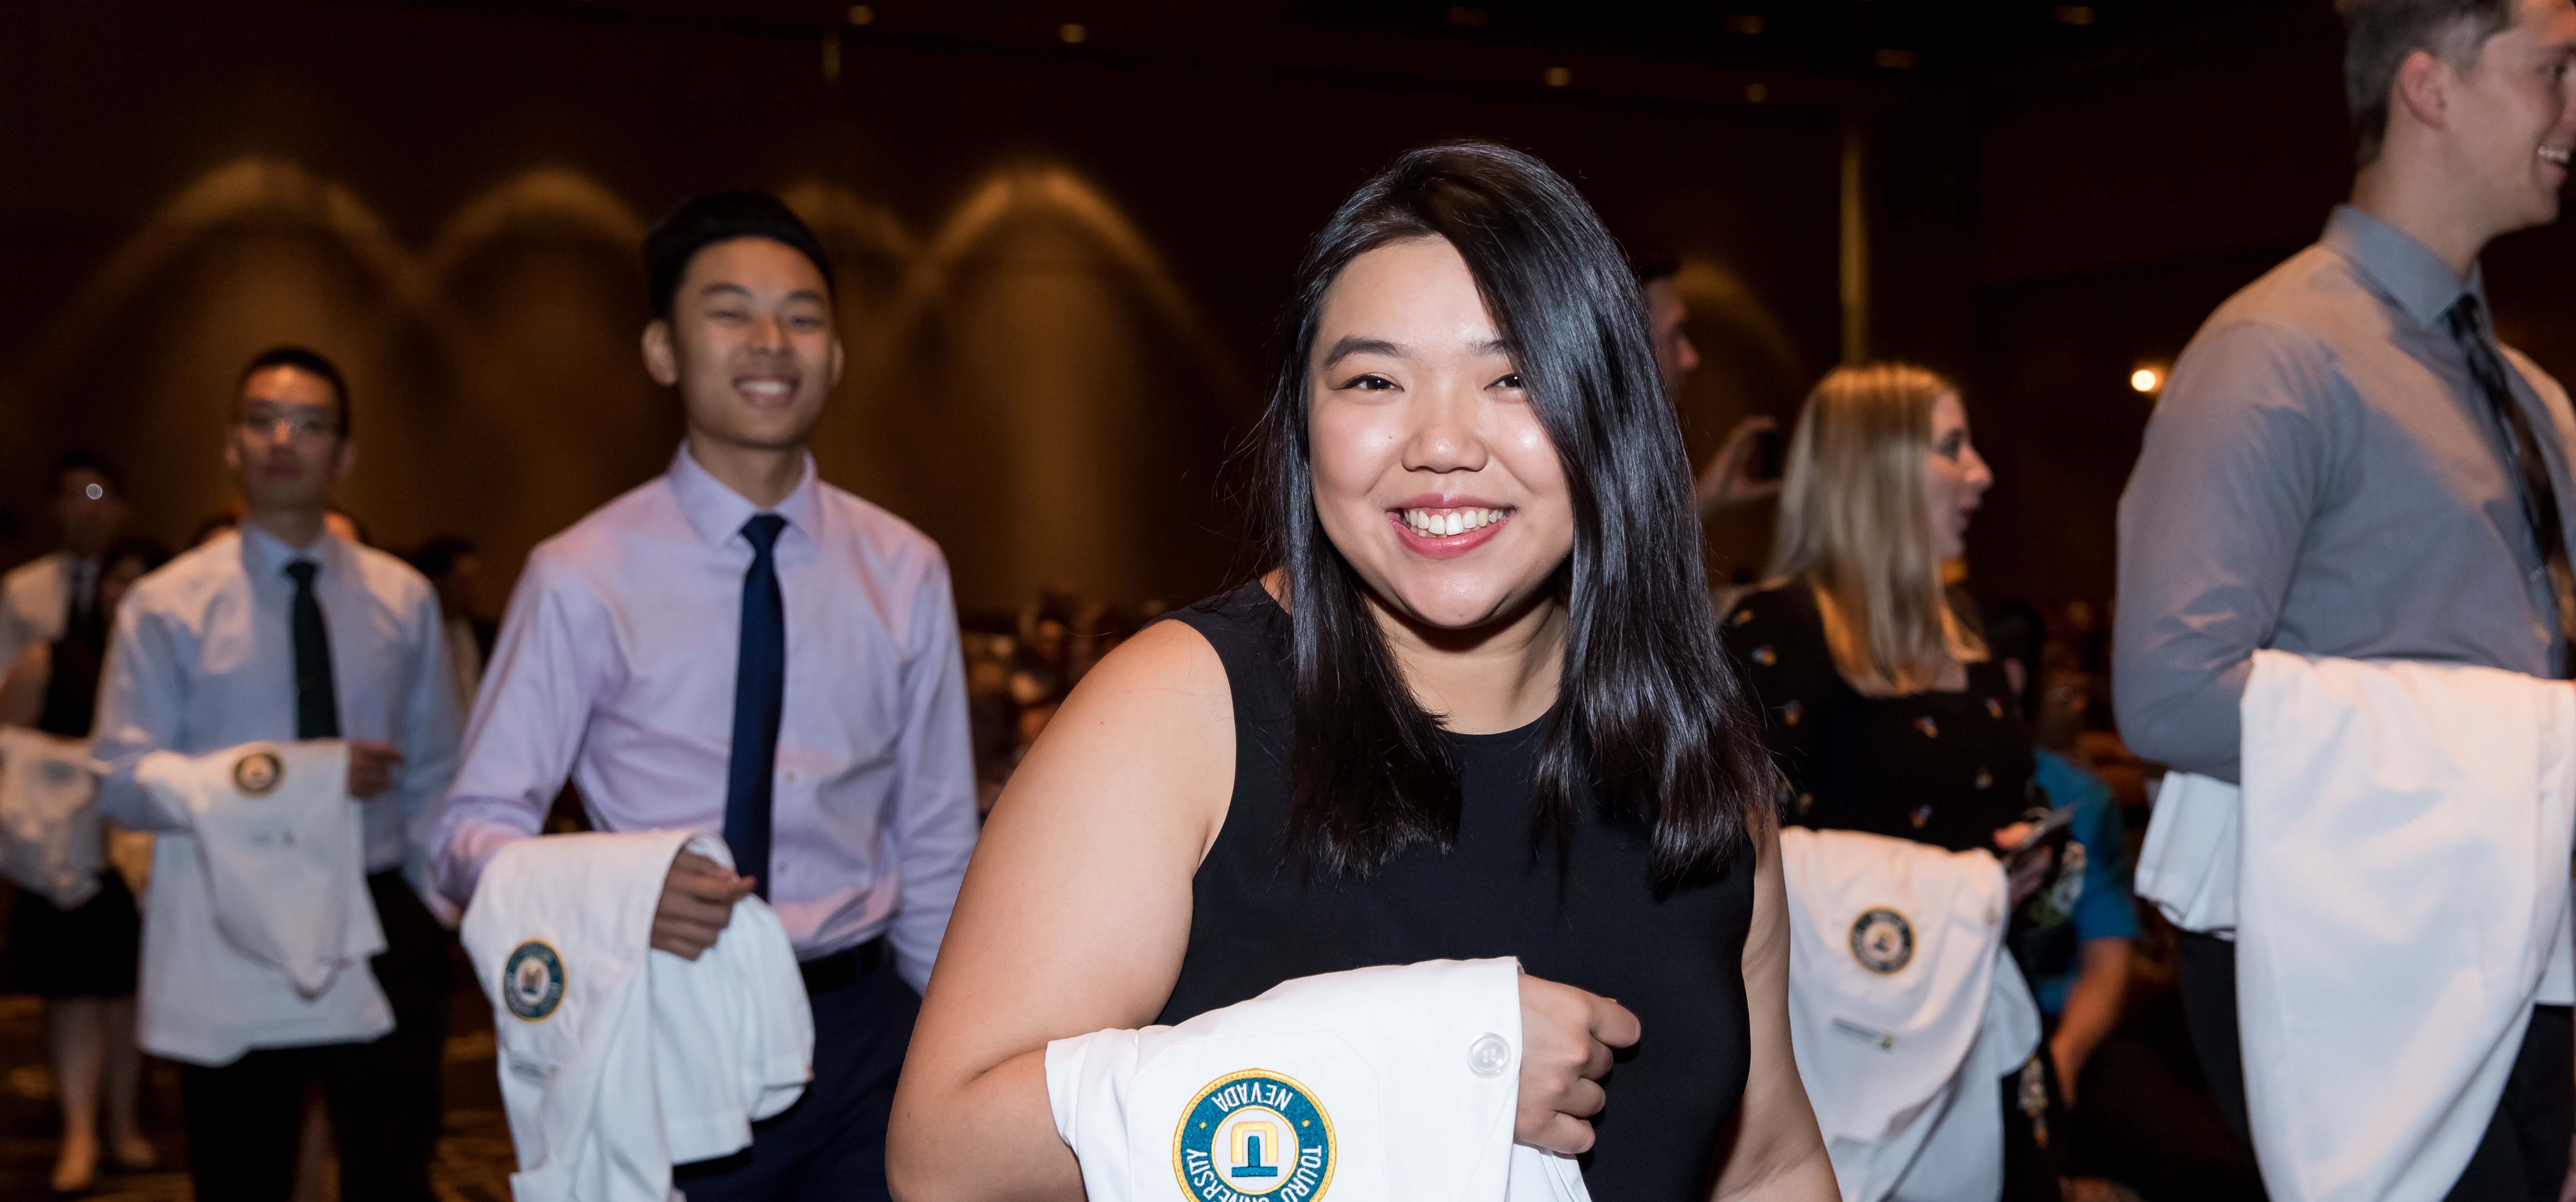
49, 594
282, 630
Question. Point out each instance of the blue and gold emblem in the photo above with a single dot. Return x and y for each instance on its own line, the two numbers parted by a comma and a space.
1882, 941
1254, 1134
532, 981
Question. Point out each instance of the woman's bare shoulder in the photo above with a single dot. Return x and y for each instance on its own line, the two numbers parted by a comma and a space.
1152, 725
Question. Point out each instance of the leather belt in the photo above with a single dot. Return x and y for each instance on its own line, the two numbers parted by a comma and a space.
826, 973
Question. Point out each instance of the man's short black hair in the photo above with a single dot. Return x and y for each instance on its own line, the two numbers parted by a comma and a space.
303, 359
438, 556
2379, 34
83, 461
702, 221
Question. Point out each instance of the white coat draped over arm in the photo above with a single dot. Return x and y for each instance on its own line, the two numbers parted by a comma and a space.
2402, 903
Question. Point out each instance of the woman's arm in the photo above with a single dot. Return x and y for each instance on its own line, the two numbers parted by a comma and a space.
22, 691
1073, 919
2092, 1008
1776, 1153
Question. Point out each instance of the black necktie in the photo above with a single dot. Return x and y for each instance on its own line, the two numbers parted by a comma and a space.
2530, 471
759, 697
317, 701
80, 598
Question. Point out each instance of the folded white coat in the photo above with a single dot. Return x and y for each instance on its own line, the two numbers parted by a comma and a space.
1905, 1011
1379, 1084
266, 927
2395, 873
52, 839
617, 1061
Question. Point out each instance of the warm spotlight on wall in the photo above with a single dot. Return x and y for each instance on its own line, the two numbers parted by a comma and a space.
2148, 379
861, 14
1072, 33
1557, 77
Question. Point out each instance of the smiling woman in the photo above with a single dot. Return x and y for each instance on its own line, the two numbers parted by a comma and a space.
1477, 710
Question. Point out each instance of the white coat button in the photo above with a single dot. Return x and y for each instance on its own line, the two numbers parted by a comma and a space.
1489, 1056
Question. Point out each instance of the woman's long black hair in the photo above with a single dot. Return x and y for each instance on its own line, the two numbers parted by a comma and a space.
1649, 718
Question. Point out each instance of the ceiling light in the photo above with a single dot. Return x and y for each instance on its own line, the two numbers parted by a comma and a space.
2146, 379
1072, 33
2072, 14
861, 14
1558, 77
1756, 93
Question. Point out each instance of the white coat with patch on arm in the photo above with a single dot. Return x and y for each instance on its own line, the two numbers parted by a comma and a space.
1379, 1084
200, 668
617, 1061
266, 927
1905, 1011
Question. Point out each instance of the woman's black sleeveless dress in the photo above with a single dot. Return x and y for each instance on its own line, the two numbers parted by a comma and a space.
1597, 925
91, 951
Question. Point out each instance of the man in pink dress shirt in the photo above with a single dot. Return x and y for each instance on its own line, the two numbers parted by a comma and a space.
740, 648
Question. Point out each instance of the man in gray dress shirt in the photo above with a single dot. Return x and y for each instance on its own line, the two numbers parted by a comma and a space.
2348, 463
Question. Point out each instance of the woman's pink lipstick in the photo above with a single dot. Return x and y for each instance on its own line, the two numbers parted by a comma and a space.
1447, 546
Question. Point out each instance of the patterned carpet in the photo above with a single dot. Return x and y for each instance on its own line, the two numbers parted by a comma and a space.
474, 1159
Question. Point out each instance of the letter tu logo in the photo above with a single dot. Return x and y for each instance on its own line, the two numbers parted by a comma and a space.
1254, 1134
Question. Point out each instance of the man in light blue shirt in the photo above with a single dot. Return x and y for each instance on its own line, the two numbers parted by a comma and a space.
283, 631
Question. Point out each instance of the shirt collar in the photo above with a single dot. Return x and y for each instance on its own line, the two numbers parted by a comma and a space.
717, 512
2406, 272
266, 555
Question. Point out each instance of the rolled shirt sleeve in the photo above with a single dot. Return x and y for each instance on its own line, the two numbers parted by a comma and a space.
2237, 457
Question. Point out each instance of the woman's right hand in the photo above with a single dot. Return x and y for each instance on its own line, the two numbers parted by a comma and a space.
1566, 1039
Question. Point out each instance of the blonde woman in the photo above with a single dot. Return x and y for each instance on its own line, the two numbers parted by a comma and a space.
1879, 700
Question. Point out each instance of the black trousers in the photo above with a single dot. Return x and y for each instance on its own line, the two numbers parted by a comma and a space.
2143, 1121
2524, 1151
383, 1096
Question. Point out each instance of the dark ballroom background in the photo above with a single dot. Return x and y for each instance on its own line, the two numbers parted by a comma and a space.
1062, 230
1064, 226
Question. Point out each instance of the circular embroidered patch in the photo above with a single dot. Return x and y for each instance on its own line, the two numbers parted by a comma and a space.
258, 773
1254, 1134
1882, 941
532, 981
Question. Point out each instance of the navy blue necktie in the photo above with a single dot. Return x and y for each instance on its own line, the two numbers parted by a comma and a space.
317, 701
759, 697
